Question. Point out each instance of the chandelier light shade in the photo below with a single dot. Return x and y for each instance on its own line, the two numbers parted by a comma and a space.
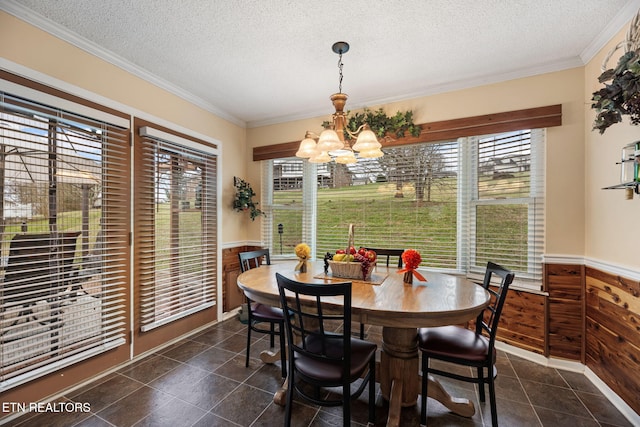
307, 147
366, 140
346, 158
371, 154
329, 141
322, 157
332, 144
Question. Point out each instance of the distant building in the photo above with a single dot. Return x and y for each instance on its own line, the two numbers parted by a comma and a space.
287, 175
501, 167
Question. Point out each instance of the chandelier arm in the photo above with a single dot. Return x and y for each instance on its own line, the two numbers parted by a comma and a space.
357, 131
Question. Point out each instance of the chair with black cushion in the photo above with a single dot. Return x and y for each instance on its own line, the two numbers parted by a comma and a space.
473, 348
259, 314
388, 253
323, 354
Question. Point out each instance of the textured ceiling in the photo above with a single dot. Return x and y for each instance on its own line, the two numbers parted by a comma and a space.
257, 62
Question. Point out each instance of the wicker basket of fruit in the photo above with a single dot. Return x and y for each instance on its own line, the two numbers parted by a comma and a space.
350, 270
351, 263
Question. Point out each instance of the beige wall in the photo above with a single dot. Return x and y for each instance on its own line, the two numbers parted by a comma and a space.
611, 228
37, 50
565, 144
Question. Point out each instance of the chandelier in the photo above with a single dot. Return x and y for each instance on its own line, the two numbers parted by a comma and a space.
331, 143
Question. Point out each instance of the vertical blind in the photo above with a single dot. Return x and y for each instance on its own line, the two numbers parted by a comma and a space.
178, 235
63, 245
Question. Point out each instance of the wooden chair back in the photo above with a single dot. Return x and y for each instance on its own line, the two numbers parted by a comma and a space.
39, 266
388, 253
253, 259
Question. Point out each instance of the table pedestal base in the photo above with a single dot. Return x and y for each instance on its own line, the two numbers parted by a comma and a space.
398, 368
400, 382
269, 357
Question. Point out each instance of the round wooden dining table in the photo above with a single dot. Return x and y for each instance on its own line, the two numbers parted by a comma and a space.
400, 309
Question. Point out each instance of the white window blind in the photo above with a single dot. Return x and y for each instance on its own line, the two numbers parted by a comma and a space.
178, 235
288, 204
406, 199
459, 203
64, 251
506, 206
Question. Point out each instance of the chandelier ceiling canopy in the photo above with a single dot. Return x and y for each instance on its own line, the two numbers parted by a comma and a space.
331, 143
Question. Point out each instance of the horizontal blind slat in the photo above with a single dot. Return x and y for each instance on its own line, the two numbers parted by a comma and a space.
63, 175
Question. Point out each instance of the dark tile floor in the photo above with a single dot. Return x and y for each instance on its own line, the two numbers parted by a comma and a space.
202, 381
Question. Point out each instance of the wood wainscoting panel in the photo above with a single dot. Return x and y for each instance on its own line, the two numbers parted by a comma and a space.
613, 333
564, 282
523, 321
232, 296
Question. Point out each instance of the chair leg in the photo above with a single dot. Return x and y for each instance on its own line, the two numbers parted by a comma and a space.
272, 335
289, 403
283, 353
492, 401
346, 405
361, 331
372, 391
246, 363
423, 397
481, 384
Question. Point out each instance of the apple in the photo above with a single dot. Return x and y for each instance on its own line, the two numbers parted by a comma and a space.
340, 251
362, 251
348, 258
352, 250
371, 255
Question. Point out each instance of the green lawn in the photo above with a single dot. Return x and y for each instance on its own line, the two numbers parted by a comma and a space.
382, 220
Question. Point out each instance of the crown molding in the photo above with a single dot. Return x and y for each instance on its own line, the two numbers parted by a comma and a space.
39, 21
621, 19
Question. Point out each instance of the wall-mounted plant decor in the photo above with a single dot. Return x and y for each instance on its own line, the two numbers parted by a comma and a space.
244, 199
620, 95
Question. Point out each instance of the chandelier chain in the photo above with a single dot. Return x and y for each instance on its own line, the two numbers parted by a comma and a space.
340, 64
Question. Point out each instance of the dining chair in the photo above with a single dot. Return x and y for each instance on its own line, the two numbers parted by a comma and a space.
472, 348
323, 354
260, 313
388, 253
39, 269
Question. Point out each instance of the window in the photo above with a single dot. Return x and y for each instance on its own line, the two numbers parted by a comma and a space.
460, 203
504, 206
289, 206
178, 232
64, 249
